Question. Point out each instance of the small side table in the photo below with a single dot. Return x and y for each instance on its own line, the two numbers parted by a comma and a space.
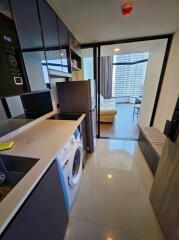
136, 110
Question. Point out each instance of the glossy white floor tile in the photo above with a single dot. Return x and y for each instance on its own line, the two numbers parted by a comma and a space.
85, 230
113, 199
124, 125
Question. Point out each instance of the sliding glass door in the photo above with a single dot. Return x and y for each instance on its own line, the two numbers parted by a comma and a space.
129, 76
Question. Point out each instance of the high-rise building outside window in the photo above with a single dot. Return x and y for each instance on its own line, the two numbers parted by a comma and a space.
129, 72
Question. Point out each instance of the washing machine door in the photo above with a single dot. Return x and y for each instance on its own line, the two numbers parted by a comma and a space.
76, 166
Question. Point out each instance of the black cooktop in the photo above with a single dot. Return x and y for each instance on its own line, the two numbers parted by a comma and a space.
65, 116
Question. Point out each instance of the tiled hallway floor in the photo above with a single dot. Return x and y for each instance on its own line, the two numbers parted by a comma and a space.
124, 125
113, 199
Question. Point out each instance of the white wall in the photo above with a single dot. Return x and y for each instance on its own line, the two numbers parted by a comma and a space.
88, 68
34, 70
170, 88
87, 65
15, 106
53, 91
156, 56
2, 113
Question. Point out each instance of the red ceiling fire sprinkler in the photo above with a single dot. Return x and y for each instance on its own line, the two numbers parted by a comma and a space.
127, 9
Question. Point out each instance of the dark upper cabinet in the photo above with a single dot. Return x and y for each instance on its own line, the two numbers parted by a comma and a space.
27, 23
64, 44
30, 35
64, 34
51, 36
57, 58
5, 8
45, 42
49, 25
13, 78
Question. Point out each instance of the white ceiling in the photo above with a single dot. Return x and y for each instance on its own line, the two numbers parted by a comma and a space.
101, 20
125, 48
134, 47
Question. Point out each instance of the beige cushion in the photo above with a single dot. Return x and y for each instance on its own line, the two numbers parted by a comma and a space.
108, 111
153, 134
155, 138
107, 119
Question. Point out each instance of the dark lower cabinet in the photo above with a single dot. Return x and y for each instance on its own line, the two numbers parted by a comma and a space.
44, 214
164, 195
5, 8
169, 212
149, 154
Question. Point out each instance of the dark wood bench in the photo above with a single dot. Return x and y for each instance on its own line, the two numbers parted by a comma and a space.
151, 142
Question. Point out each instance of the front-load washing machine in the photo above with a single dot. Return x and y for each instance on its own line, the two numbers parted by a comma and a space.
71, 159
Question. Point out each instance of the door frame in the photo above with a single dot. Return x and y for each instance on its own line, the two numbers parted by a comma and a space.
97, 63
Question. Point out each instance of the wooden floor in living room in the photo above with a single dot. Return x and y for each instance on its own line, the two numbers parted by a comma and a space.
125, 126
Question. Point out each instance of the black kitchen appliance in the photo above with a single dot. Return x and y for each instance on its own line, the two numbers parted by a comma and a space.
36, 104
80, 97
13, 78
65, 116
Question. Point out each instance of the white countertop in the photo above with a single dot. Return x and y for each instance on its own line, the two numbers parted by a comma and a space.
43, 141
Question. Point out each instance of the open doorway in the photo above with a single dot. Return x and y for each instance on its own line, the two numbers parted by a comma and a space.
129, 78
120, 105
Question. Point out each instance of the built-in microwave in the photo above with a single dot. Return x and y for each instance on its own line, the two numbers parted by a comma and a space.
13, 78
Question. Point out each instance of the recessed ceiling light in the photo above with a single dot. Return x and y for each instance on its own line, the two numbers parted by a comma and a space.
109, 176
116, 49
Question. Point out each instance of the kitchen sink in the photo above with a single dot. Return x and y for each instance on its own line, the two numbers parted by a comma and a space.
12, 170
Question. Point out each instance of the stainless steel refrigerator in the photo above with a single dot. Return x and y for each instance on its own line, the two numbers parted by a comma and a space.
80, 97
165, 190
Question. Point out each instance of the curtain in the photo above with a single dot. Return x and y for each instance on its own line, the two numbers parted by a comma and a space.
106, 76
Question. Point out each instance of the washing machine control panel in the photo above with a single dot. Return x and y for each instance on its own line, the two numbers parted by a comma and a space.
66, 149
